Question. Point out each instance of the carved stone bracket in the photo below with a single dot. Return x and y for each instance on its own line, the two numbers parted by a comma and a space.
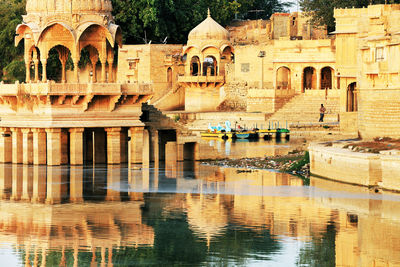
113, 101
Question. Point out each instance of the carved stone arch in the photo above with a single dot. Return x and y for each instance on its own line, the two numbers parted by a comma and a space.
84, 28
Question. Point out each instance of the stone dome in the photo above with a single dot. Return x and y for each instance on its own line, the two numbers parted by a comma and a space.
68, 6
208, 30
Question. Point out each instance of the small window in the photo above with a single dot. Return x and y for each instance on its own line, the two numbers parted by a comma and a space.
245, 67
379, 54
132, 65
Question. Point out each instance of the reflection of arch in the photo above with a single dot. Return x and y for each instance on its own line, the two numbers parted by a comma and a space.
210, 67
326, 78
195, 66
309, 78
352, 104
283, 78
169, 77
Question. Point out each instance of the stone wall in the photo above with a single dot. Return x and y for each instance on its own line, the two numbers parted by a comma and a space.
235, 97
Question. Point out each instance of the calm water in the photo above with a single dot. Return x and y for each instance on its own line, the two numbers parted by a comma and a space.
189, 214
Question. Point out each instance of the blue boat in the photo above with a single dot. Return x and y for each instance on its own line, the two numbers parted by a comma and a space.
242, 135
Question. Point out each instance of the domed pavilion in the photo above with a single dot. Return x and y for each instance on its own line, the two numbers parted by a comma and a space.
69, 26
207, 52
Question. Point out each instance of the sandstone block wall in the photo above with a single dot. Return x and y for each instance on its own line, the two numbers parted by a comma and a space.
345, 166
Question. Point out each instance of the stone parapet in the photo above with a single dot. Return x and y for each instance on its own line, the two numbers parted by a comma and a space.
345, 166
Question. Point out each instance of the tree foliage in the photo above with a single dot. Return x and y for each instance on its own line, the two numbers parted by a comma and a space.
321, 11
10, 56
144, 20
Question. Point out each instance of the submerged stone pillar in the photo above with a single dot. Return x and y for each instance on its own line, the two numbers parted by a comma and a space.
113, 183
170, 152
146, 148
27, 146
5, 145
5, 181
39, 184
136, 145
16, 189
76, 146
154, 146
76, 184
39, 146
179, 152
17, 153
53, 146
27, 183
113, 145
54, 179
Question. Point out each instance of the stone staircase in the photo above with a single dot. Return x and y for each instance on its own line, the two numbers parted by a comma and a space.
156, 119
304, 109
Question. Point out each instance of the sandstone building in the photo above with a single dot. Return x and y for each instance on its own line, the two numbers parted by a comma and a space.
283, 69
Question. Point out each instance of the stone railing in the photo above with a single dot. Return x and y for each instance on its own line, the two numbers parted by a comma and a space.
10, 89
51, 88
201, 79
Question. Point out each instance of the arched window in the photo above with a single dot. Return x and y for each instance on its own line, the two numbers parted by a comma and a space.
283, 78
210, 67
195, 66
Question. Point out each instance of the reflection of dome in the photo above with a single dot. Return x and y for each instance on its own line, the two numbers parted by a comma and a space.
206, 217
209, 29
68, 6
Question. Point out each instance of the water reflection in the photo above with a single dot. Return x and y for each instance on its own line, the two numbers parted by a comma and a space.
191, 214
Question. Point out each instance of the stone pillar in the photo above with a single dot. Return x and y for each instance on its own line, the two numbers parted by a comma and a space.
44, 71
136, 145
27, 183
54, 181
103, 71
28, 72
170, 152
27, 146
39, 184
179, 152
113, 145
196, 152
154, 146
110, 71
318, 79
53, 146
39, 146
36, 62
5, 145
76, 76
17, 153
16, 190
76, 146
146, 149
76, 184
93, 60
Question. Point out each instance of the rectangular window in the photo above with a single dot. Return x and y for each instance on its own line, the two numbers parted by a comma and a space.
379, 54
245, 67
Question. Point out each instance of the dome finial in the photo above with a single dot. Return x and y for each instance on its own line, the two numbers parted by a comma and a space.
208, 13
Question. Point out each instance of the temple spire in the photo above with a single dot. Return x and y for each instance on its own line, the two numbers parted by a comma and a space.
208, 13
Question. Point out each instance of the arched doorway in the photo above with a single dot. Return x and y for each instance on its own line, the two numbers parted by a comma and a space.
195, 66
210, 67
309, 78
283, 78
326, 78
352, 104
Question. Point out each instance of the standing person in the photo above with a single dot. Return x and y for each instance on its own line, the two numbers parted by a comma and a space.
322, 113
